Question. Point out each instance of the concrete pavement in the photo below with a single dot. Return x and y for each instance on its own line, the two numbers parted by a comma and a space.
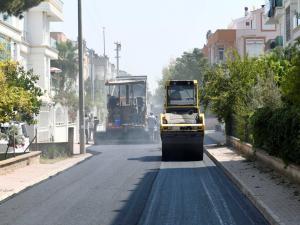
273, 194
20, 179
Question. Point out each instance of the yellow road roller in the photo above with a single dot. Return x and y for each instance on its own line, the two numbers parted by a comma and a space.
182, 125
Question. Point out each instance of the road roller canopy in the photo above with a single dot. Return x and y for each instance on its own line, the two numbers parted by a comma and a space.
181, 93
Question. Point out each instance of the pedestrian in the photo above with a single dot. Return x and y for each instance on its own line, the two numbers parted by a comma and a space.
156, 130
91, 127
152, 123
86, 128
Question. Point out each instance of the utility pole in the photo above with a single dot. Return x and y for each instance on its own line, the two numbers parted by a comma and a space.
104, 44
118, 49
81, 100
104, 54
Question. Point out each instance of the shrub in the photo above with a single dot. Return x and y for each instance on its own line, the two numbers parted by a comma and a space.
278, 132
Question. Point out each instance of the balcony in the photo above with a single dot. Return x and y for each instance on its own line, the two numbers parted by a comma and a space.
53, 8
275, 10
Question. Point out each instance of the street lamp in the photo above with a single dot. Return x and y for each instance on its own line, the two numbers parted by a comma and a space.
81, 100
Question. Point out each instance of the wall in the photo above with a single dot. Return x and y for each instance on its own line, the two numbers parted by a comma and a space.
255, 31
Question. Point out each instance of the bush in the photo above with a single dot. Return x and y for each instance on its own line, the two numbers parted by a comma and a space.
54, 152
278, 132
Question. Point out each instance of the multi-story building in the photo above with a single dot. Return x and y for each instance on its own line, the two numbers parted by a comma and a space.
286, 15
218, 43
249, 35
100, 70
28, 41
252, 33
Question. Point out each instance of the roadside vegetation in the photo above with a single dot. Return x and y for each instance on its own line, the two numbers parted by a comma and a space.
258, 99
20, 96
64, 83
54, 154
17, 7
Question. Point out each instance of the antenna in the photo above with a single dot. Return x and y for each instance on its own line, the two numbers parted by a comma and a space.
118, 49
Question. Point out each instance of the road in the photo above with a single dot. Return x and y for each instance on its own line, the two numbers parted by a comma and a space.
128, 184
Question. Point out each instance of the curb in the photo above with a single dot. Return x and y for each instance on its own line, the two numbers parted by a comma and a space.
43, 179
265, 210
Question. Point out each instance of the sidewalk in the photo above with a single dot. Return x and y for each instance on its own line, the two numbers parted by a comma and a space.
23, 178
276, 197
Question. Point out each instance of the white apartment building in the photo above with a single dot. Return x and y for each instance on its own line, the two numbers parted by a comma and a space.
249, 35
286, 15
28, 40
253, 35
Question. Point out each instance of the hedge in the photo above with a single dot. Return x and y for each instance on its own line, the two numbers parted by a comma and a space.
278, 132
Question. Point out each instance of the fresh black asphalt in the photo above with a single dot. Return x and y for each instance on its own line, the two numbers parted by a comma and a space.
128, 184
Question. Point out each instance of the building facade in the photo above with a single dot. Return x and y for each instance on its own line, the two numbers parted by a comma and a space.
249, 35
28, 41
252, 33
286, 15
218, 44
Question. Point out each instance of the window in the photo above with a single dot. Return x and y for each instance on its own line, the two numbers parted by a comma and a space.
181, 95
255, 47
5, 17
5, 50
221, 53
296, 20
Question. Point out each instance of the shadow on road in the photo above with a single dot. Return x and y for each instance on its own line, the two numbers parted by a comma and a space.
133, 207
147, 159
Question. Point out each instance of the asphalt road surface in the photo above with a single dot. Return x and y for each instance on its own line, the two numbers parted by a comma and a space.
128, 184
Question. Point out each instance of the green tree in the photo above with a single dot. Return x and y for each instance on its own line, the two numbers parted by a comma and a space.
68, 63
235, 89
64, 82
19, 99
17, 7
190, 66
290, 82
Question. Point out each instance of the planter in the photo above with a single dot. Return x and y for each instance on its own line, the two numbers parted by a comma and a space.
19, 161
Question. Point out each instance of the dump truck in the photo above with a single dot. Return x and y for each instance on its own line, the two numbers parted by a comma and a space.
182, 124
127, 111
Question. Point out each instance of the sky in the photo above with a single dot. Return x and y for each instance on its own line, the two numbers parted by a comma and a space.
152, 32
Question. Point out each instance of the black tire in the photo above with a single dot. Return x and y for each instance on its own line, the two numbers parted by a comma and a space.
200, 157
164, 153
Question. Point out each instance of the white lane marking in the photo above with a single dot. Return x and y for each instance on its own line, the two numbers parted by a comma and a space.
215, 208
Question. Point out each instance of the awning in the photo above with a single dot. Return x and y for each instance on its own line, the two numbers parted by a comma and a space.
55, 70
120, 82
